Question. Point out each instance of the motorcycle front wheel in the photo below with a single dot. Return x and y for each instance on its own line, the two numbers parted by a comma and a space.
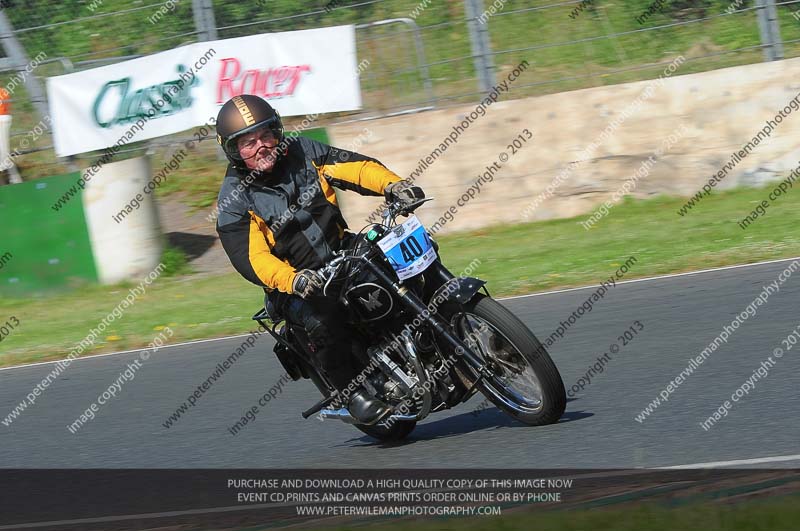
525, 382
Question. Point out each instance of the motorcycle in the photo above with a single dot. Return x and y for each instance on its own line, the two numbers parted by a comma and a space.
433, 340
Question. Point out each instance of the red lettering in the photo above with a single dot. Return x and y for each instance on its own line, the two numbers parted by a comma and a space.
227, 81
261, 83
248, 74
267, 83
298, 70
279, 76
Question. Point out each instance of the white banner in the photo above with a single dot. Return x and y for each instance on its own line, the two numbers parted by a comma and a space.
298, 72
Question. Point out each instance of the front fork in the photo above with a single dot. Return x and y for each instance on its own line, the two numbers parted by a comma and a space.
410, 300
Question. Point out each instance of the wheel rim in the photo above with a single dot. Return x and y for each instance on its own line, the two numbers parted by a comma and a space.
515, 382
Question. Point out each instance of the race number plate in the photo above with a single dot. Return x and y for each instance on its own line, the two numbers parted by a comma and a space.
408, 248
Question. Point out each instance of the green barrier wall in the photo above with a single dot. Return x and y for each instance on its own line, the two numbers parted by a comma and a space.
41, 249
319, 134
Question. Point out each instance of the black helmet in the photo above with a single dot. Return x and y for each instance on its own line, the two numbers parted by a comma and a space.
241, 115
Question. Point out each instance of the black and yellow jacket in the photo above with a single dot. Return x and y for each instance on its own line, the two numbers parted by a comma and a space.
289, 220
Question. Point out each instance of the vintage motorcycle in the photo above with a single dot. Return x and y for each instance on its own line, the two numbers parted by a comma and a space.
434, 340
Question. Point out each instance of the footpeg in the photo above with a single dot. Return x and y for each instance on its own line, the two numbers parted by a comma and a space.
317, 407
342, 414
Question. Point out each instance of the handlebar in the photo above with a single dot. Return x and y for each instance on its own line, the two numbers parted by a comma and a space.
401, 209
329, 270
394, 209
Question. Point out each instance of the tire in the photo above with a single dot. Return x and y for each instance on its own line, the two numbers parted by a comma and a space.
553, 398
396, 432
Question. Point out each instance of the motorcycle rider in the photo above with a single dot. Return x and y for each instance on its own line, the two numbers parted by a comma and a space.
279, 221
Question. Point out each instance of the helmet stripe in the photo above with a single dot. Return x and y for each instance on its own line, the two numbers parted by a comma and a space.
244, 110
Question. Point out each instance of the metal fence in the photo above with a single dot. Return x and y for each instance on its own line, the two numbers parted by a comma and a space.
422, 54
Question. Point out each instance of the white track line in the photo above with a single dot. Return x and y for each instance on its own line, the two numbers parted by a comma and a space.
717, 464
95, 356
646, 279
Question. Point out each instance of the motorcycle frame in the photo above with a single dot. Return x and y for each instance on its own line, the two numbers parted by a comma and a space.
466, 289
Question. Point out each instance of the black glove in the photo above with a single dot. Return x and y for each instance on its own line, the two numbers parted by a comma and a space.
307, 283
403, 192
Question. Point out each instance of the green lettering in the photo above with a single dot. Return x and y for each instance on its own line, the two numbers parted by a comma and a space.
123, 84
175, 94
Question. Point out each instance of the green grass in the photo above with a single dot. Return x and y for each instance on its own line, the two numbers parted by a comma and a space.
761, 515
175, 262
530, 257
192, 307
514, 259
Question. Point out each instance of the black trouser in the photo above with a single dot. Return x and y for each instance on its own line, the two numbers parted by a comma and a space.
333, 342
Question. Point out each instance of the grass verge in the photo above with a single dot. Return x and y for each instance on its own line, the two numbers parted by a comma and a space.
514, 259
775, 514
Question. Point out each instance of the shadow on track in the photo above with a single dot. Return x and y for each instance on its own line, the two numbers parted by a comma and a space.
462, 424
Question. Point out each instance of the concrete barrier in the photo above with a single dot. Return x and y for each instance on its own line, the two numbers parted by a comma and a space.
721, 111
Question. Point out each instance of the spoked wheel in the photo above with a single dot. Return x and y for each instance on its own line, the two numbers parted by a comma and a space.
525, 382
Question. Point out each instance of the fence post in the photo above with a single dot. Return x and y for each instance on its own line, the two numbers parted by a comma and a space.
479, 40
769, 28
422, 62
204, 20
16, 52
19, 58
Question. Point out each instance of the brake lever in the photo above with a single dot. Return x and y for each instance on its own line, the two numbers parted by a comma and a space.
333, 270
411, 207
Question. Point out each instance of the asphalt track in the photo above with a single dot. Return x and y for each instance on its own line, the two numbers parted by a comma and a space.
680, 314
